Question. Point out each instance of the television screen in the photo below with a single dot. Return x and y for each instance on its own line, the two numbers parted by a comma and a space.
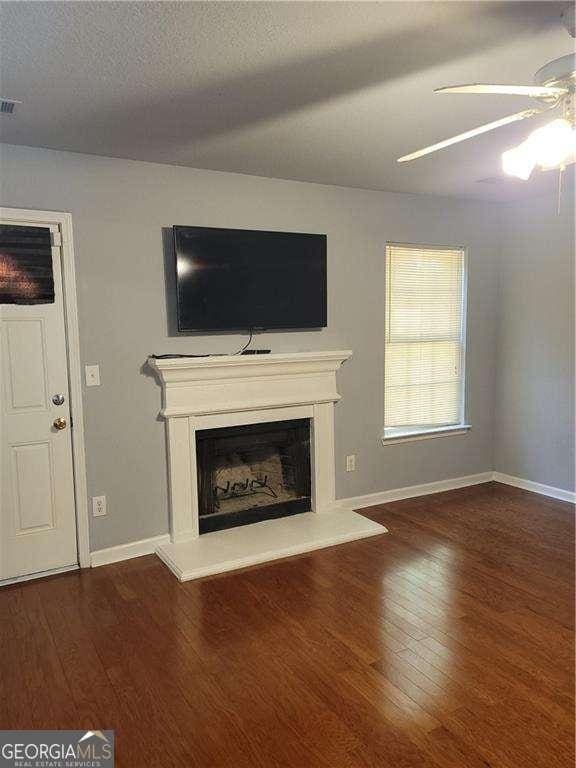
240, 279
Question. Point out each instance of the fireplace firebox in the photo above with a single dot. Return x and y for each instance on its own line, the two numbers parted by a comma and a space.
253, 472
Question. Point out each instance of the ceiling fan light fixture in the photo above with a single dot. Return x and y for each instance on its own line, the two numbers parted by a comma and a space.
552, 144
548, 147
518, 162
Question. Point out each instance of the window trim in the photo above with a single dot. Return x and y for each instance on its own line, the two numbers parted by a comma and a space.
462, 427
426, 434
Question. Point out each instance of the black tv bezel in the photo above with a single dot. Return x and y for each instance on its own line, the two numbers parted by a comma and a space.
256, 326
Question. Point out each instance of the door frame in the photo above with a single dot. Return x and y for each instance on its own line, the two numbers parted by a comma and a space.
64, 223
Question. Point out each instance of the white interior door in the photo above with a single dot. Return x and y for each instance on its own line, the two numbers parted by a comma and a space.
37, 513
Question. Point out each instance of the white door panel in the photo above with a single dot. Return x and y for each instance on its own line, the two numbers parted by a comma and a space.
34, 503
27, 377
37, 516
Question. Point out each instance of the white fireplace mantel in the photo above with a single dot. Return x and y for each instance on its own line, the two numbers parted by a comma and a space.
232, 390
201, 385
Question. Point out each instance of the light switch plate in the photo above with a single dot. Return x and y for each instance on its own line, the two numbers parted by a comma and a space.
351, 463
92, 373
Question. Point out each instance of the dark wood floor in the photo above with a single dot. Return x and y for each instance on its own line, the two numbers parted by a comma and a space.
447, 642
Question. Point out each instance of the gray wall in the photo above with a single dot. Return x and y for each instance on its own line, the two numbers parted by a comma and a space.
534, 438
119, 209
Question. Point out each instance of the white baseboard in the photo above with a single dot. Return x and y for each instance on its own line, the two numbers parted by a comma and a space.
411, 491
148, 546
529, 485
127, 551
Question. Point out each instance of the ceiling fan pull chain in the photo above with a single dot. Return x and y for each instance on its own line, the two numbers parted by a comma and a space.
560, 180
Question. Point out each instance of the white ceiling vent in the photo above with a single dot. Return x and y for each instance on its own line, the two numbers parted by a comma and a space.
8, 106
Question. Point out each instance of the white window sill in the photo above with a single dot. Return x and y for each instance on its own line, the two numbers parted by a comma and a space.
425, 434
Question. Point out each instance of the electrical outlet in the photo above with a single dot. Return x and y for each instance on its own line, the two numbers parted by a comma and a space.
92, 373
351, 463
98, 506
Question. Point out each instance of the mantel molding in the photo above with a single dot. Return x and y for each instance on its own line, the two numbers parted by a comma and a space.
194, 386
177, 369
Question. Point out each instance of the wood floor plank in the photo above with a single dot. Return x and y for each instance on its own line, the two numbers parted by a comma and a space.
447, 643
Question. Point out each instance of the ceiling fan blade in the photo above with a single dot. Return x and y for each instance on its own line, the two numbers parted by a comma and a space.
533, 91
470, 134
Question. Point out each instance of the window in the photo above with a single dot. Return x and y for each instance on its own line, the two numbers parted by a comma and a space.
26, 265
425, 340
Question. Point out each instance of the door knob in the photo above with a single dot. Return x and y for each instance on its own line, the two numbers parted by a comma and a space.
59, 423
58, 399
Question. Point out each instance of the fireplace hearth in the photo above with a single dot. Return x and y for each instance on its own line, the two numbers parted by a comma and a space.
251, 473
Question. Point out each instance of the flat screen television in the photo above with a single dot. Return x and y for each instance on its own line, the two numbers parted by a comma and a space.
242, 279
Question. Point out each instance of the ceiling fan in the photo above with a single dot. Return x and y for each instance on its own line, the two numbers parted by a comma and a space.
551, 146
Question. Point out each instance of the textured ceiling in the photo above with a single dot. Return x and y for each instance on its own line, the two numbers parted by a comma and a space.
330, 92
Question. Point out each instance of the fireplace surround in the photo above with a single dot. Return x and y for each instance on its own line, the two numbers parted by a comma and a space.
202, 395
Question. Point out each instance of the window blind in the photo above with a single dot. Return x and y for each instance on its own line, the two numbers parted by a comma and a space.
424, 354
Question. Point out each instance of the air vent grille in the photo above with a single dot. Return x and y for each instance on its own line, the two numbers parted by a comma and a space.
7, 106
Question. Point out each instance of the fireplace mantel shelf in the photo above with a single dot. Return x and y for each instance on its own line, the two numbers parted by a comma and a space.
255, 362
231, 390
224, 383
